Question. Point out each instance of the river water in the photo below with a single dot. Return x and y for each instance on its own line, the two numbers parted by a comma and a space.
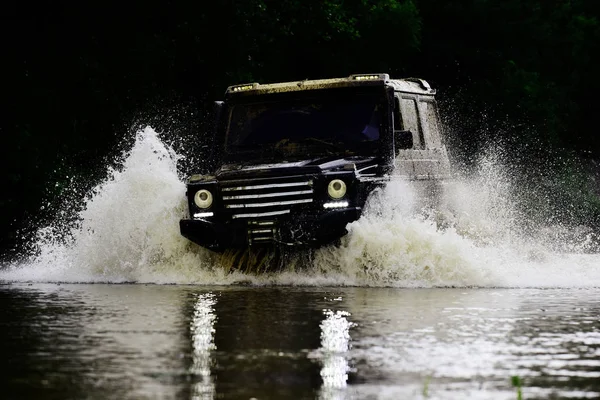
119, 305
179, 341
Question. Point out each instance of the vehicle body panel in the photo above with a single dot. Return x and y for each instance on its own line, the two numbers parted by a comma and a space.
273, 184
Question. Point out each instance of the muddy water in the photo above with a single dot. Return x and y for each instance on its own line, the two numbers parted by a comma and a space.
206, 342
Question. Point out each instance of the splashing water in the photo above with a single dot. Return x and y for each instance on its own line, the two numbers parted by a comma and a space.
129, 232
129, 227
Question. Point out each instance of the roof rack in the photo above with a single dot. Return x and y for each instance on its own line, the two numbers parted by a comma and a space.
421, 82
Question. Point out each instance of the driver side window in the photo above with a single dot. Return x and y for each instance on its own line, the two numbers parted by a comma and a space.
408, 119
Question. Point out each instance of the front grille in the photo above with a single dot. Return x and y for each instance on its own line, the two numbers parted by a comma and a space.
265, 198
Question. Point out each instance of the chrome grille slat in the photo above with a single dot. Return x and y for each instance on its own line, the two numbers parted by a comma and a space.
271, 204
267, 186
262, 231
263, 195
260, 197
258, 215
261, 223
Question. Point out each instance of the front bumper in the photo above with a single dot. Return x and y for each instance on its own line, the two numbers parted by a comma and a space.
295, 230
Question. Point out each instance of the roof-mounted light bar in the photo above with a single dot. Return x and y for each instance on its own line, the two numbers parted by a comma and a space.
369, 77
242, 88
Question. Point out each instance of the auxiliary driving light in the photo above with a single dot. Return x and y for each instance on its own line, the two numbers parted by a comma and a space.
336, 189
203, 198
336, 204
204, 215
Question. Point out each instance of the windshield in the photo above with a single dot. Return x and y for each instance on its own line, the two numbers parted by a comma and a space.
308, 126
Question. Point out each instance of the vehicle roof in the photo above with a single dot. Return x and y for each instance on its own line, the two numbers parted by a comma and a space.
407, 85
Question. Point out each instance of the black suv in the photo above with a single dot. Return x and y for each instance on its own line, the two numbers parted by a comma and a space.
298, 160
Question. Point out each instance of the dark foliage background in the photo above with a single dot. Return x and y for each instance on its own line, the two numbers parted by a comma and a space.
78, 77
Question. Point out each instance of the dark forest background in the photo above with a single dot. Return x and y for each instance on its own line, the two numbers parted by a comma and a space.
78, 78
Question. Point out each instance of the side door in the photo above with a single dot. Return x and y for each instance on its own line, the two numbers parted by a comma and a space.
427, 159
406, 118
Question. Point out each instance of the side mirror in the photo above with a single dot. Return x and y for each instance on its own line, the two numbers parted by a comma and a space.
212, 136
403, 140
217, 109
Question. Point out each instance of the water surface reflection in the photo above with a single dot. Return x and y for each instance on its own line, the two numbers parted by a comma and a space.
138, 341
203, 331
333, 354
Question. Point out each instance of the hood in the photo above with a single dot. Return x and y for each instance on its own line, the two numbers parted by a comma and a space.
362, 164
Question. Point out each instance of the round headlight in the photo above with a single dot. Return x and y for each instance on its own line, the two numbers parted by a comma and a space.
203, 198
336, 189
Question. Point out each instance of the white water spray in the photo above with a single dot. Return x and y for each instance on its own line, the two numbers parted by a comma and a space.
129, 227
129, 232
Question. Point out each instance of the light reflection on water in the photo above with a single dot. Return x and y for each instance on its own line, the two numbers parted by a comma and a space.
137, 341
333, 354
203, 331
468, 344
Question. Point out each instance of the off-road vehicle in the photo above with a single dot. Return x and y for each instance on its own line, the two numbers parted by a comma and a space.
298, 160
